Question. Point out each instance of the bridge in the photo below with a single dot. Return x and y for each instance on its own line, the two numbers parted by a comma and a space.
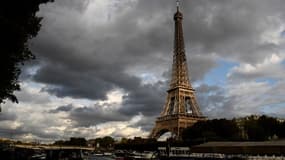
52, 147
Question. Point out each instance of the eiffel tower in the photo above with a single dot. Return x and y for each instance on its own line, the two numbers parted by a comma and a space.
181, 109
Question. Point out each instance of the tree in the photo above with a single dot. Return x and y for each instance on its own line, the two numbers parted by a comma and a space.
217, 129
77, 141
270, 126
73, 141
226, 129
281, 130
137, 144
18, 24
124, 140
262, 128
255, 132
107, 142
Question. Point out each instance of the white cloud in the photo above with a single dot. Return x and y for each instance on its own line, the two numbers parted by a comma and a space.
270, 67
274, 32
113, 38
126, 129
100, 12
35, 122
113, 97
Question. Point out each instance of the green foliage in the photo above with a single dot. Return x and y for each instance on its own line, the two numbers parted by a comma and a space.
217, 129
254, 128
77, 141
263, 128
19, 23
281, 130
74, 141
138, 144
105, 142
124, 140
269, 125
254, 131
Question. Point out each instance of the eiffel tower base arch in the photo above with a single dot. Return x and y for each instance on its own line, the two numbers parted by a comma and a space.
174, 124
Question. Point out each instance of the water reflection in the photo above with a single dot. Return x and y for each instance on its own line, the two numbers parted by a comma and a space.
95, 157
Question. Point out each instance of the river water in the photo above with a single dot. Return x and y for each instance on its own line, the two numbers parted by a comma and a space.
100, 158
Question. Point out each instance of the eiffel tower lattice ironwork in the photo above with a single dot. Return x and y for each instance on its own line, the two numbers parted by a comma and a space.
181, 109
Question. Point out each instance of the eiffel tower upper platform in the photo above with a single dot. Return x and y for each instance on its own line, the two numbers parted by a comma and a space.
181, 109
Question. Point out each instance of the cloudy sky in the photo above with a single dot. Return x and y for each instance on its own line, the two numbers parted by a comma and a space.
103, 67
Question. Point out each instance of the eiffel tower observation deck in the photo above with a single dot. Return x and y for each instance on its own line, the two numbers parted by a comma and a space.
181, 109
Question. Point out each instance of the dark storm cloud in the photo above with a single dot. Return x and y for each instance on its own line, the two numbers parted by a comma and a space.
66, 82
11, 133
232, 29
7, 116
66, 108
80, 60
71, 69
74, 4
215, 103
210, 97
246, 99
75, 69
146, 123
146, 99
198, 66
93, 115
206, 89
39, 130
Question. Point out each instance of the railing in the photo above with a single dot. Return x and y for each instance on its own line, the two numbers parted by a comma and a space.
47, 147
174, 116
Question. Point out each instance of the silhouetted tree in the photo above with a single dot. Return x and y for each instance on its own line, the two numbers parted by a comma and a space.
281, 130
138, 144
107, 142
59, 142
73, 141
217, 129
77, 141
124, 140
270, 126
225, 129
262, 128
18, 24
254, 131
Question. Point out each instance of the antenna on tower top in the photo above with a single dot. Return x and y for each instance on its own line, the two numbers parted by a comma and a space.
177, 4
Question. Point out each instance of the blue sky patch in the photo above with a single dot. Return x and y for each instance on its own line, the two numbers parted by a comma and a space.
218, 75
270, 81
283, 62
273, 108
283, 34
